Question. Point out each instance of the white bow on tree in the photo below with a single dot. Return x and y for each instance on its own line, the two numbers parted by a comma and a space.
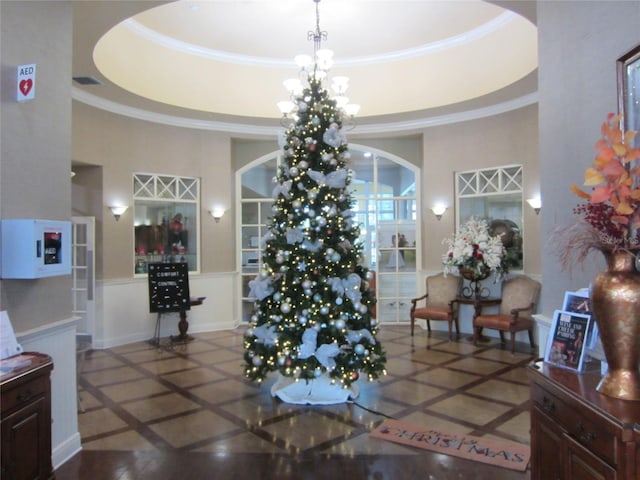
349, 287
260, 288
265, 334
294, 236
324, 353
337, 179
283, 188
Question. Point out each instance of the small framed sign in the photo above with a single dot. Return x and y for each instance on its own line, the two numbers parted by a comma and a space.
26, 82
577, 302
567, 337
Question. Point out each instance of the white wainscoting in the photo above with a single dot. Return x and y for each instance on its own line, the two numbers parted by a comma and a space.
58, 340
123, 315
543, 324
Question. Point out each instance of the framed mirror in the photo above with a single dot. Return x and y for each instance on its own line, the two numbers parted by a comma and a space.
166, 221
494, 194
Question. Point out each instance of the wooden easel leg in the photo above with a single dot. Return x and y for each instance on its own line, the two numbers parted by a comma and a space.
156, 334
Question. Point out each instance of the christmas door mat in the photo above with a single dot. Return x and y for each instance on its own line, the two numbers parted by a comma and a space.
512, 455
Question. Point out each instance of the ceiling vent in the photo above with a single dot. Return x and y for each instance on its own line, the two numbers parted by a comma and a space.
87, 80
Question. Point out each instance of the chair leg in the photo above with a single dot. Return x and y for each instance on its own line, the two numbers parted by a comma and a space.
476, 335
457, 327
450, 330
429, 327
531, 338
413, 322
501, 337
513, 342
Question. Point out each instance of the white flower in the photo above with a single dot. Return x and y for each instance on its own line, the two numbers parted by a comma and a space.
474, 248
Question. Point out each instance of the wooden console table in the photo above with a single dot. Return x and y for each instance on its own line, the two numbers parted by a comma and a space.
576, 432
25, 391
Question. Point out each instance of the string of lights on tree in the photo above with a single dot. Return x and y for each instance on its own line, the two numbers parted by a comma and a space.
313, 307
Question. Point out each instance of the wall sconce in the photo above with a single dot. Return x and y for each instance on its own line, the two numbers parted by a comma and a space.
117, 211
536, 204
438, 210
217, 213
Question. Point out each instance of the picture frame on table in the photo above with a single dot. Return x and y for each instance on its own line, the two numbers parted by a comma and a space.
566, 344
578, 302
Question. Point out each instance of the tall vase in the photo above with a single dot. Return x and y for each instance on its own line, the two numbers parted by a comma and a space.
616, 306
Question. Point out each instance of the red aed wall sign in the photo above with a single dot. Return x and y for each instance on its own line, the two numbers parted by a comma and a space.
26, 82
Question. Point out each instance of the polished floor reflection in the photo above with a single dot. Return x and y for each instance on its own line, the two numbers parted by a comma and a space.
188, 413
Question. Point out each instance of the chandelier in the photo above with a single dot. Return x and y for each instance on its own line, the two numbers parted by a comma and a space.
318, 67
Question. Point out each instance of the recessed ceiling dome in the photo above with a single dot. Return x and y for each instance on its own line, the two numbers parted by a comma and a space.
229, 57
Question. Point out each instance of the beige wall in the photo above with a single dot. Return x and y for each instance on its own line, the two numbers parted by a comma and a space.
579, 43
122, 146
35, 146
509, 138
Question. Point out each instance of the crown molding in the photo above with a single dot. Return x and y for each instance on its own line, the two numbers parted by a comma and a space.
243, 129
420, 50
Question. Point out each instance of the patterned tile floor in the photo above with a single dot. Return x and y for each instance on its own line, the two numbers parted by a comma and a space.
145, 402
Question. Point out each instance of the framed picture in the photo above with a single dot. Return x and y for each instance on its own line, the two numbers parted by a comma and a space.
628, 68
577, 302
567, 337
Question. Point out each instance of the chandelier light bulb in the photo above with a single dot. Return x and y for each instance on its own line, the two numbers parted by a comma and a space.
341, 101
303, 61
320, 75
324, 58
293, 86
352, 109
285, 107
340, 84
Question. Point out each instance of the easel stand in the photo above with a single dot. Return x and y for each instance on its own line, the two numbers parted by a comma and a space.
169, 293
183, 325
172, 340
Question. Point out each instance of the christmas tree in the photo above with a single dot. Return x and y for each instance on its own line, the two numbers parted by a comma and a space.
313, 313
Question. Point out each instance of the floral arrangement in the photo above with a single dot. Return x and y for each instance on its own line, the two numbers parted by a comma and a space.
474, 249
610, 218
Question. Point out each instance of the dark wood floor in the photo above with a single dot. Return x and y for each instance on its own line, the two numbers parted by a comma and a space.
112, 465
188, 413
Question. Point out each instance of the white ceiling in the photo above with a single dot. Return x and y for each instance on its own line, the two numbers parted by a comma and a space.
225, 60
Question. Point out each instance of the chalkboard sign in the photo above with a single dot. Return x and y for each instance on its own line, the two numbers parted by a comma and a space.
169, 287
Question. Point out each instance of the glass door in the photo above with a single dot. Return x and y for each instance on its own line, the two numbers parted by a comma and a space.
385, 189
83, 273
256, 185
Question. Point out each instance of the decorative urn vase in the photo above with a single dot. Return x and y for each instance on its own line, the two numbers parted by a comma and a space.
616, 305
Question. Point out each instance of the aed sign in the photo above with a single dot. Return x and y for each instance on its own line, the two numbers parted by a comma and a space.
26, 82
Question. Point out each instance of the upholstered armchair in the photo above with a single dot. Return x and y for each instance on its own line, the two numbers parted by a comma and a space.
519, 299
440, 302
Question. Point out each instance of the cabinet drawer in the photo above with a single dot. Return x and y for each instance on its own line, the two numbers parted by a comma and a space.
594, 432
24, 393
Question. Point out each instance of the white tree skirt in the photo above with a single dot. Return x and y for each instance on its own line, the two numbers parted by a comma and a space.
319, 391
